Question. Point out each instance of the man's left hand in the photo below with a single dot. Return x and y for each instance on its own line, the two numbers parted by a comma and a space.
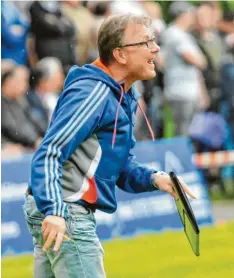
162, 181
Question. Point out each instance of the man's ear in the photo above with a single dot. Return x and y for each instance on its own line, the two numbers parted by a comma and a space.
119, 55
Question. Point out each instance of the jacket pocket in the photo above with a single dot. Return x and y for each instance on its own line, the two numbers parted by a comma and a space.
106, 187
112, 179
33, 216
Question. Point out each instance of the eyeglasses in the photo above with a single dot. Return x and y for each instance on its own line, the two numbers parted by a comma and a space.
149, 43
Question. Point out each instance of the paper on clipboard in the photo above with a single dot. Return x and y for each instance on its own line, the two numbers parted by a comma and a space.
187, 217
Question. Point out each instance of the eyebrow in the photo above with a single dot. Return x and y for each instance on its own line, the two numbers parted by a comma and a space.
147, 37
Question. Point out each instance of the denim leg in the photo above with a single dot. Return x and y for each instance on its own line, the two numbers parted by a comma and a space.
42, 266
82, 257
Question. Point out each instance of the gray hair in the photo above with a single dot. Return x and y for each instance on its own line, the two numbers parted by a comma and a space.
48, 66
112, 31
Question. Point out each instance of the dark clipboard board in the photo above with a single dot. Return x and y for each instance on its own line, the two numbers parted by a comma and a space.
187, 217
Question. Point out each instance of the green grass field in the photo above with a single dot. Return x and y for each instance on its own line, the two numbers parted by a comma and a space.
165, 255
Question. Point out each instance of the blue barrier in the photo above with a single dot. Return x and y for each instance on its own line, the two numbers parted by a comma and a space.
136, 213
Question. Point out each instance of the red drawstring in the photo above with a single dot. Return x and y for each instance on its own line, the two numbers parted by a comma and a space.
147, 122
116, 119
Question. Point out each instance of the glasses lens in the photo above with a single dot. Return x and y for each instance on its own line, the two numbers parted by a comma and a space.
151, 43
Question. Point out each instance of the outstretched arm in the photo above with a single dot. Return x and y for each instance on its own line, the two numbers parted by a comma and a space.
163, 182
135, 178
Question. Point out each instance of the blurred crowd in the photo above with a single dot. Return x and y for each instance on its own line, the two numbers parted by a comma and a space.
194, 87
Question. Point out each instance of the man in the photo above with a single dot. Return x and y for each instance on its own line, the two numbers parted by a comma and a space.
211, 44
78, 14
183, 62
46, 83
18, 123
86, 152
53, 33
227, 83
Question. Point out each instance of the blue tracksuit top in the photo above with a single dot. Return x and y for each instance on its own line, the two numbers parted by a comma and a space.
13, 45
76, 162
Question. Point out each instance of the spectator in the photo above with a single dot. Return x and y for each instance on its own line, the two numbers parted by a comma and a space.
18, 125
152, 89
135, 7
101, 10
23, 6
54, 33
79, 14
183, 61
208, 133
46, 83
227, 85
225, 24
6, 65
8, 148
14, 33
154, 11
212, 47
227, 93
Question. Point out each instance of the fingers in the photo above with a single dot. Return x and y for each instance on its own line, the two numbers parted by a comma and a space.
45, 233
53, 230
165, 183
58, 241
170, 189
43, 227
50, 239
187, 190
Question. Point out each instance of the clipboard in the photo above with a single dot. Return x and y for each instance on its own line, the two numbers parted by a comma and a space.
187, 217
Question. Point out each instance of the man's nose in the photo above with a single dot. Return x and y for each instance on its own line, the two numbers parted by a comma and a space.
155, 49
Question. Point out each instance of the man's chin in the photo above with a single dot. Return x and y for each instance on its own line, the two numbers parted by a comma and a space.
150, 75
146, 75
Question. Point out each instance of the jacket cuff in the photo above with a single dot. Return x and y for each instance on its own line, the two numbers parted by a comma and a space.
153, 187
64, 214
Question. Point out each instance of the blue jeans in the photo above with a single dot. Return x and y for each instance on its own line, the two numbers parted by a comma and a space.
82, 257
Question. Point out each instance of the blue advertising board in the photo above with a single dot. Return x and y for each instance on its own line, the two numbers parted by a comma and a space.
136, 213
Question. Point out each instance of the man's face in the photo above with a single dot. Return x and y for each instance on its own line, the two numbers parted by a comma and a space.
190, 19
139, 58
19, 82
54, 84
204, 17
73, 3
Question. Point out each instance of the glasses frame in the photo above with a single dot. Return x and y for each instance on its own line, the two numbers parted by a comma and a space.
141, 43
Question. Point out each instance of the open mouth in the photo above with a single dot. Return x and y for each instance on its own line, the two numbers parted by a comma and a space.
151, 61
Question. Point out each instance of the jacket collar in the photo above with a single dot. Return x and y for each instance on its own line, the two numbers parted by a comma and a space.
98, 63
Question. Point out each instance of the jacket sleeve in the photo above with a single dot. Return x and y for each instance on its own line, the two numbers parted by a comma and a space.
136, 178
8, 37
75, 118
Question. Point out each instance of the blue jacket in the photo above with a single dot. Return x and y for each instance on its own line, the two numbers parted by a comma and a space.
13, 46
76, 161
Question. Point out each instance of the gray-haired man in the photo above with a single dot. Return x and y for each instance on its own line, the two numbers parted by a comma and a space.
86, 152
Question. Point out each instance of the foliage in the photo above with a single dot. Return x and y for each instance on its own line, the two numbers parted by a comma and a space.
225, 6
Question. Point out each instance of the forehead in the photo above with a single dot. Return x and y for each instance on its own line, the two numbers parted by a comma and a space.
137, 32
19, 71
203, 10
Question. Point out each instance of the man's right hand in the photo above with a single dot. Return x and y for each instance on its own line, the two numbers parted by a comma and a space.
53, 229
